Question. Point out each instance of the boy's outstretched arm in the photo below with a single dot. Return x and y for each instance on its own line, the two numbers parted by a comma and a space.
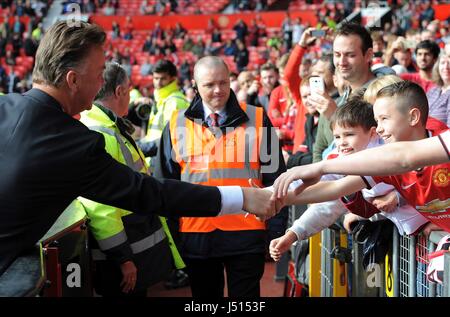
325, 191
389, 159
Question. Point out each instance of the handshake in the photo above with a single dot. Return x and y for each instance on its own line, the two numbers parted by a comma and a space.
262, 202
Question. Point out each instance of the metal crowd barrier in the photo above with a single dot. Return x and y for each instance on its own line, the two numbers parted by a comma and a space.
402, 274
410, 275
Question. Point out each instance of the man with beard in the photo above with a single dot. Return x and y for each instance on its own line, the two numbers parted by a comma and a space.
427, 53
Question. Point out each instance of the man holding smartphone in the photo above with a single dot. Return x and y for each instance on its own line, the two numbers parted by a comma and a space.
352, 55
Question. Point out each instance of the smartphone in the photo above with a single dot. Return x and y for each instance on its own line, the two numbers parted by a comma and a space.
316, 85
318, 33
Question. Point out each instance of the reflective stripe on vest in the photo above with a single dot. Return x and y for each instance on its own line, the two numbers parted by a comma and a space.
138, 165
136, 247
209, 158
156, 124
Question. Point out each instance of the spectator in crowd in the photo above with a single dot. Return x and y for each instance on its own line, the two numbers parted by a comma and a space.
234, 83
12, 80
188, 44
18, 26
352, 54
146, 67
9, 59
427, 53
128, 29
29, 45
108, 9
253, 33
185, 71
439, 96
230, 48
261, 88
297, 30
245, 80
286, 28
115, 30
179, 32
241, 30
427, 13
216, 36
198, 49
305, 67
242, 56
399, 53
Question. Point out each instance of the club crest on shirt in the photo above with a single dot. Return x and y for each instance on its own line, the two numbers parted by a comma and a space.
441, 177
435, 206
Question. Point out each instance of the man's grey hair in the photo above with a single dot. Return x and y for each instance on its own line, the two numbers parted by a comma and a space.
209, 62
64, 47
114, 75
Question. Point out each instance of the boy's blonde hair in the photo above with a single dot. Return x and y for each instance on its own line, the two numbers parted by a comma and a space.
370, 95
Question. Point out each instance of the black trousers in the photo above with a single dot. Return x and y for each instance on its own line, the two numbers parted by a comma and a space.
243, 272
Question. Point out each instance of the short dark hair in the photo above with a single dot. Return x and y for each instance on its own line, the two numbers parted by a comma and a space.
64, 46
433, 47
114, 75
408, 95
269, 66
165, 66
354, 113
350, 28
328, 58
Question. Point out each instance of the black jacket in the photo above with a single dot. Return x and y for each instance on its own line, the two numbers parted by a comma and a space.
47, 159
223, 243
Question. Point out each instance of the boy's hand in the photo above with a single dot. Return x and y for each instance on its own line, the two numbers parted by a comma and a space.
309, 174
280, 245
349, 219
386, 203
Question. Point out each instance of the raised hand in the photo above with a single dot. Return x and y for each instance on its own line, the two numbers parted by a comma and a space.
309, 174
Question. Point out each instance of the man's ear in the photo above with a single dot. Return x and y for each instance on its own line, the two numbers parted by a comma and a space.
194, 85
414, 116
72, 80
118, 91
369, 55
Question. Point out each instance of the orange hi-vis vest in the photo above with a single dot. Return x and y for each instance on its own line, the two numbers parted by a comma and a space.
209, 156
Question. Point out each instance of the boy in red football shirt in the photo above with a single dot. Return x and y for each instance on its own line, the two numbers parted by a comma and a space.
401, 112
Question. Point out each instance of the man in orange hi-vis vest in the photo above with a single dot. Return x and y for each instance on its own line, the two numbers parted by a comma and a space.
217, 141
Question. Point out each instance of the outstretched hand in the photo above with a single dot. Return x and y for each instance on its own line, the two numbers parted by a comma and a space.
309, 174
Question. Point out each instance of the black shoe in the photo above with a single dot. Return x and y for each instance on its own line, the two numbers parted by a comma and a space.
177, 279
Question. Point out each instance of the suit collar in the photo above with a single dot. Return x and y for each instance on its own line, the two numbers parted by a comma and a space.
235, 116
44, 98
